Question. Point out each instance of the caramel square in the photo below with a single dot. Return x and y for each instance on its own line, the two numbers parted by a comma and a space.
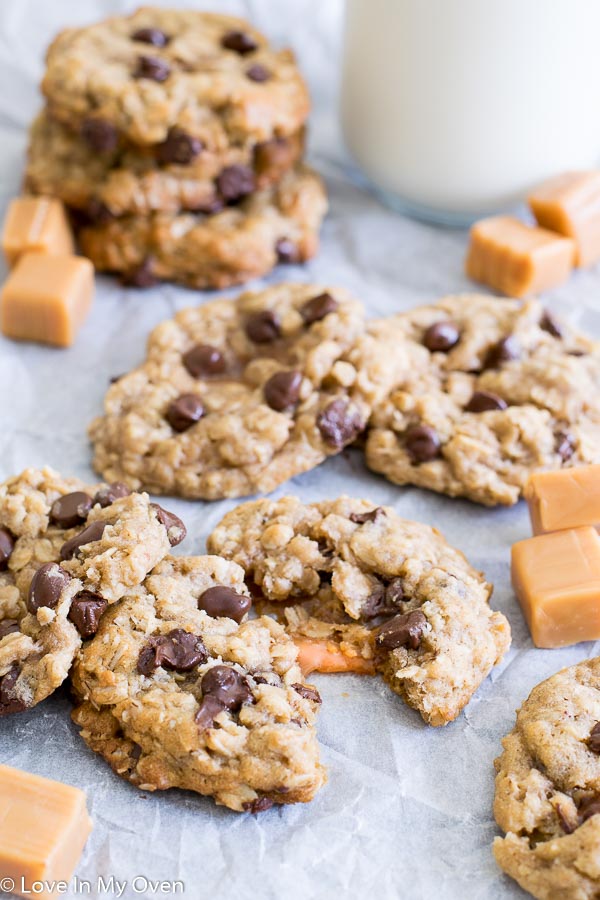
44, 826
46, 298
570, 205
516, 259
566, 498
556, 578
36, 223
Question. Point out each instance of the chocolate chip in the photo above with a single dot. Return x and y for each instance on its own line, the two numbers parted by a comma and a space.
8, 626
504, 351
153, 68
93, 532
372, 516
179, 148
184, 412
263, 327
261, 804
588, 809
100, 134
86, 611
153, 36
9, 702
394, 592
422, 443
549, 323
46, 587
209, 710
404, 630
309, 693
375, 604
441, 337
239, 41
565, 445
594, 739
287, 251
235, 182
282, 390
107, 495
338, 424
7, 545
226, 686
224, 601
98, 212
258, 73
176, 530
203, 361
70, 509
318, 307
178, 651
141, 276
482, 401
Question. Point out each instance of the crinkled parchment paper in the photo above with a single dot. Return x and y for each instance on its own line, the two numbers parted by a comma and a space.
407, 809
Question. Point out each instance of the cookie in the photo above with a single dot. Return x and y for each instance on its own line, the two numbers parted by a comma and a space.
487, 391
237, 396
278, 225
132, 180
437, 638
547, 787
67, 551
196, 695
140, 76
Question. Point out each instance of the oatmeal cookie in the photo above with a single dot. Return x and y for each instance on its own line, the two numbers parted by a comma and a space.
127, 180
214, 77
279, 224
180, 689
237, 396
548, 788
438, 638
67, 551
488, 390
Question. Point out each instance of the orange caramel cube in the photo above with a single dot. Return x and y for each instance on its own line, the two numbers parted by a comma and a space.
46, 298
515, 258
556, 578
565, 498
570, 205
324, 656
36, 223
44, 826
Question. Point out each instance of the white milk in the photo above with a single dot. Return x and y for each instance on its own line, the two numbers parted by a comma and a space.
454, 108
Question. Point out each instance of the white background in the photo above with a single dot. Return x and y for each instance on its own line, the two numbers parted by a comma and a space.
407, 809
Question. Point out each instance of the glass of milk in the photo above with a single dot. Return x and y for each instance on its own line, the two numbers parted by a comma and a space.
456, 108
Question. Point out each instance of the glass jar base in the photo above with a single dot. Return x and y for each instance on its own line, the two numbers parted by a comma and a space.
420, 212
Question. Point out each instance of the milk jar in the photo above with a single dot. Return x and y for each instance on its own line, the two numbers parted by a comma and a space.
455, 108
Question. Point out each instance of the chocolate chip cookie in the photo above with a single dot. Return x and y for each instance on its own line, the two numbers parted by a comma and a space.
180, 689
139, 77
277, 225
486, 391
237, 396
436, 638
67, 551
548, 788
122, 179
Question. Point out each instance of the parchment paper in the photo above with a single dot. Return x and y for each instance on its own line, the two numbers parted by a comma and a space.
407, 809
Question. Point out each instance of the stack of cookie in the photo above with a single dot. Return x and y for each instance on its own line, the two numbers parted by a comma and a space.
176, 137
